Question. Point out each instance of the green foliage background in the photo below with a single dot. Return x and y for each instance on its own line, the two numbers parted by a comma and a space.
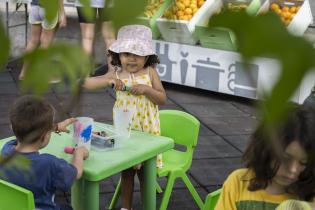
263, 35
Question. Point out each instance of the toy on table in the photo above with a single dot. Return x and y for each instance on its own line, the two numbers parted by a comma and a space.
125, 88
102, 140
69, 150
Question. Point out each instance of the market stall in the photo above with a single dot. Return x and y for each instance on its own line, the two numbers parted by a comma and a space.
193, 55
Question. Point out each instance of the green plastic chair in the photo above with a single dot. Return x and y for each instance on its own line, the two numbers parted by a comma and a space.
212, 199
183, 128
14, 197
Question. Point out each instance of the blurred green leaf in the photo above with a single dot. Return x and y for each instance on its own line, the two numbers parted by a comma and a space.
87, 10
266, 35
4, 46
14, 161
125, 12
60, 61
51, 8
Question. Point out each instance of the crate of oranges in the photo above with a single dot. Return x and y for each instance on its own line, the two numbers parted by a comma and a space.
153, 10
295, 14
177, 24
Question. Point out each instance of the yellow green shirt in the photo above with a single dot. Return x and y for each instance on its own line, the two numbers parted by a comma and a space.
236, 196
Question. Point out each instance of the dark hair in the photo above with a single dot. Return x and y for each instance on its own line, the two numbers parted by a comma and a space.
31, 117
152, 61
264, 148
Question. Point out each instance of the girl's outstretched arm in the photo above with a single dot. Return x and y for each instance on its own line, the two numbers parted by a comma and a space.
156, 93
105, 80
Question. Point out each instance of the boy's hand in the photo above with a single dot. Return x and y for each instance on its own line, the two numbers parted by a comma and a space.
117, 83
82, 151
139, 89
62, 126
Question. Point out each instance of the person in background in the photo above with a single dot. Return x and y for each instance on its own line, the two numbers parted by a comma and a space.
32, 123
101, 10
42, 31
280, 165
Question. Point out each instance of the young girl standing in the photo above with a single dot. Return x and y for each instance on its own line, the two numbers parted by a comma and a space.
277, 169
133, 55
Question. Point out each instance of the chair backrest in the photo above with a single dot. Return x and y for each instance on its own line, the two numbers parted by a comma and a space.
212, 199
182, 127
14, 197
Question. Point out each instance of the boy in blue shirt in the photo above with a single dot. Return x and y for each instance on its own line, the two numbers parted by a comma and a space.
32, 123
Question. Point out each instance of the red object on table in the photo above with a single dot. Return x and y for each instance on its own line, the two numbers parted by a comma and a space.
69, 150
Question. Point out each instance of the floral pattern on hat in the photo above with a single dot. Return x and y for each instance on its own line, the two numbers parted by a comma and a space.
135, 39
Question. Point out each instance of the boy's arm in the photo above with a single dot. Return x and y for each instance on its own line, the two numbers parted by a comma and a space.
103, 81
62, 18
79, 155
156, 93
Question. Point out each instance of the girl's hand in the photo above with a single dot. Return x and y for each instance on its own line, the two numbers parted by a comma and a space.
62, 126
62, 20
117, 83
139, 89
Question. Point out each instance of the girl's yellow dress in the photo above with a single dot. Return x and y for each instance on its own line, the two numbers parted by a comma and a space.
146, 117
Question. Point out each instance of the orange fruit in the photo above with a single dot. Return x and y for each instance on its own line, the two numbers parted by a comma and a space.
278, 11
285, 9
188, 11
285, 14
187, 3
274, 6
184, 17
193, 6
179, 13
180, 5
200, 3
293, 9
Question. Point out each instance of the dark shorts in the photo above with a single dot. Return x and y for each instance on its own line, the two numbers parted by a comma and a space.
101, 14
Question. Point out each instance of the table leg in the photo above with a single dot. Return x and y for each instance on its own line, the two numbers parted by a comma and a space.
77, 194
149, 200
92, 195
85, 195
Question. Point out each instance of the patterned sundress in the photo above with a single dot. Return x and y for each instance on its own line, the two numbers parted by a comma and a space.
146, 117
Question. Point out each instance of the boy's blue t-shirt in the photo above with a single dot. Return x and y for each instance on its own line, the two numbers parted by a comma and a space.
47, 174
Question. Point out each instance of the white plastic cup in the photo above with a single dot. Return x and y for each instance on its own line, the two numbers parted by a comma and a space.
82, 131
122, 122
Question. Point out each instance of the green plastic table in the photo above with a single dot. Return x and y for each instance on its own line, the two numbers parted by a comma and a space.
140, 147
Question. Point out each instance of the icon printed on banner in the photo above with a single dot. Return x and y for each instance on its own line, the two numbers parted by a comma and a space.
183, 66
243, 79
166, 65
208, 74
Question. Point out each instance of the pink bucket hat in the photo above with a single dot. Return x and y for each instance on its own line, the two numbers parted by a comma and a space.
135, 39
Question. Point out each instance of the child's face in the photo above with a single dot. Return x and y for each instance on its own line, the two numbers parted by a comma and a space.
293, 164
131, 62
